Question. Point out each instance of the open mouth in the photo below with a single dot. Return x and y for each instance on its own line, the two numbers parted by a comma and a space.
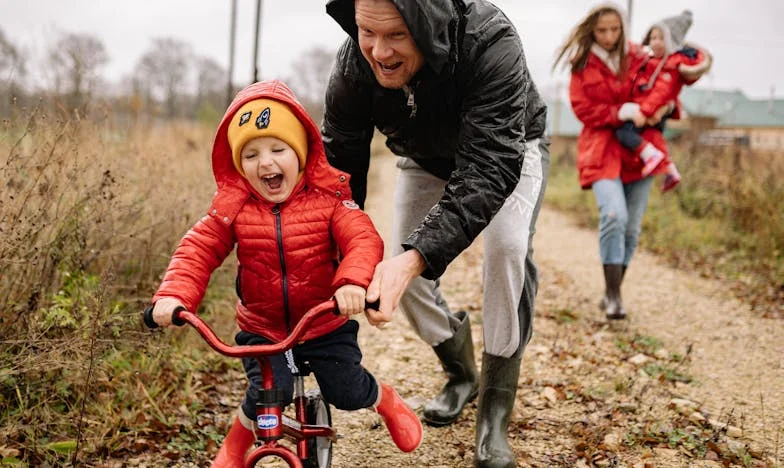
390, 67
273, 181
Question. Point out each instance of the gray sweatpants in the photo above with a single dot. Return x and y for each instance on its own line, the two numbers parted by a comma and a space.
509, 273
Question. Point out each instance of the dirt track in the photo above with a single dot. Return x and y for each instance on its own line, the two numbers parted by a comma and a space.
579, 395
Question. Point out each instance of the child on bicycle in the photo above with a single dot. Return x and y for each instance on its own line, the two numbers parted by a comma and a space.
656, 87
300, 241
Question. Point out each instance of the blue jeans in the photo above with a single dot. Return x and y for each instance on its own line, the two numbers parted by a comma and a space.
621, 208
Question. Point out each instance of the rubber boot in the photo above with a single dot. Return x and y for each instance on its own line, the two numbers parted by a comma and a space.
457, 359
235, 446
603, 302
496, 402
403, 425
613, 275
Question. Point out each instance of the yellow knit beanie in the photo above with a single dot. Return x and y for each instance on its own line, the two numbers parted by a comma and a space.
270, 118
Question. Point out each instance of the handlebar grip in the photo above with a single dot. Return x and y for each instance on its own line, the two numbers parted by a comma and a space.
151, 324
176, 316
372, 305
147, 314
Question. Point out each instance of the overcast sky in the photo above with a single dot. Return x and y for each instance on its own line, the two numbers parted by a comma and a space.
745, 37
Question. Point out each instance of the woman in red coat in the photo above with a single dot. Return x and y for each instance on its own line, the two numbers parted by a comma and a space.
602, 62
300, 241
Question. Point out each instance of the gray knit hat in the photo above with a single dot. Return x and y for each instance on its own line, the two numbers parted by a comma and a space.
673, 29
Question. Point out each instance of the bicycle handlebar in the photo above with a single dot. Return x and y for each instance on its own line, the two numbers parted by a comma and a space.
180, 316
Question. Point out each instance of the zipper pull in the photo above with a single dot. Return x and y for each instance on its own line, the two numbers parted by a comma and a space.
410, 102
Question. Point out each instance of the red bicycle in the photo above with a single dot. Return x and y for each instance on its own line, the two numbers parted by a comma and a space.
311, 429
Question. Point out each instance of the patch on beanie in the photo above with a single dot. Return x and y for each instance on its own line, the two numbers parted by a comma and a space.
245, 118
263, 120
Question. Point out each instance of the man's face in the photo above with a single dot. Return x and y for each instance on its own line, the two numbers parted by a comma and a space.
386, 43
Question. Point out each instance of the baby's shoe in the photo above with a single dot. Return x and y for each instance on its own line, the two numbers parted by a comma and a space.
671, 179
652, 157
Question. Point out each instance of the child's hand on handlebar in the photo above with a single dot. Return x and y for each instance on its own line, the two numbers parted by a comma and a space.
350, 299
163, 310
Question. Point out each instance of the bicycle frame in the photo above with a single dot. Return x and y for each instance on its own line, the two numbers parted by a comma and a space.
271, 424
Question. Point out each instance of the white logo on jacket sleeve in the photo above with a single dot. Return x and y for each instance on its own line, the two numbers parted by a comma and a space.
350, 204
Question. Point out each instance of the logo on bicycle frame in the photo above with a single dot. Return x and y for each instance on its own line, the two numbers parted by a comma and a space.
267, 421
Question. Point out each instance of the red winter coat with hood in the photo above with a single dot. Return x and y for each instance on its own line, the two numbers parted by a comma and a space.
288, 252
659, 80
597, 93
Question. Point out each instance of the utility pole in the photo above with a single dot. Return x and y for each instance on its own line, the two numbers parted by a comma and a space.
233, 28
256, 42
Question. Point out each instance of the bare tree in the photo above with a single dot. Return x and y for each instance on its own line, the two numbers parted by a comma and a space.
211, 80
163, 70
11, 61
74, 61
12, 68
309, 81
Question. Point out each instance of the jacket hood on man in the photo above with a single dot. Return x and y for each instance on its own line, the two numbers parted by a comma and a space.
433, 25
465, 117
233, 188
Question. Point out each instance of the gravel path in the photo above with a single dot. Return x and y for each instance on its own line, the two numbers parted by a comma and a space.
733, 358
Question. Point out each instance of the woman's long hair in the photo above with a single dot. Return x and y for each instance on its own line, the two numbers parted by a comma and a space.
577, 47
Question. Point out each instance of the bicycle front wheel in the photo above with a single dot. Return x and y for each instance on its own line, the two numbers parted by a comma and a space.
319, 448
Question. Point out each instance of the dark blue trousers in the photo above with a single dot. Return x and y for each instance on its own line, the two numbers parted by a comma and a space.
335, 361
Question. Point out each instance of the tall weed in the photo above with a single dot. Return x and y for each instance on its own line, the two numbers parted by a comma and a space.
89, 214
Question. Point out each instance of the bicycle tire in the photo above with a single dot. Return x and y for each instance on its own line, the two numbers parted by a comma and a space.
319, 448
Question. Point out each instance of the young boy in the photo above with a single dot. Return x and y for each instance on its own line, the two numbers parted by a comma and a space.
656, 87
291, 216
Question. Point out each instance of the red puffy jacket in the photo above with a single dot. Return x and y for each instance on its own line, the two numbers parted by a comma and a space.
596, 94
668, 82
288, 253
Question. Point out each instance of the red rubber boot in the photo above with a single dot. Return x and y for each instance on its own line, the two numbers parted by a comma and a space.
235, 446
403, 425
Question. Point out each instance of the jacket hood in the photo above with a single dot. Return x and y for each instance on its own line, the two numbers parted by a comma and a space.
674, 29
317, 172
433, 25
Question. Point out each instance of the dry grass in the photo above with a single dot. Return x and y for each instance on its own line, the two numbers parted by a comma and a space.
89, 214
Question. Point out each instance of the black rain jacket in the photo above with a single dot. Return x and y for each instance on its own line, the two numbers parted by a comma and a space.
465, 117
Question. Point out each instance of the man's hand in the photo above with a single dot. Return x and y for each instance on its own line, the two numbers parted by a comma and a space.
162, 312
350, 299
390, 281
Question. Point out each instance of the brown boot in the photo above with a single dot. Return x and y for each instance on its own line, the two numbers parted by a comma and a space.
603, 303
457, 359
235, 446
403, 425
613, 275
